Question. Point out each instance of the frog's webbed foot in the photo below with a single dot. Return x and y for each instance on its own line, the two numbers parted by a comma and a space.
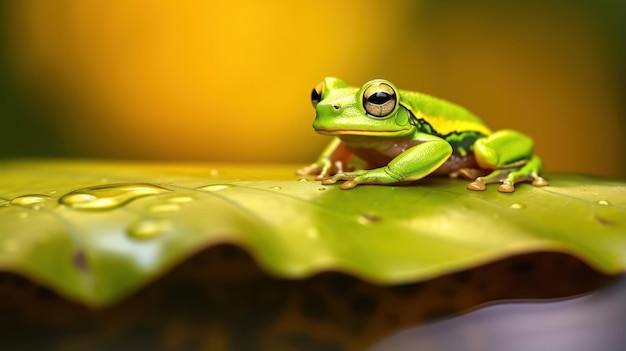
528, 172
349, 178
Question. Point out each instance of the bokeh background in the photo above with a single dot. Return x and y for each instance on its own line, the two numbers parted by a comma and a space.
230, 81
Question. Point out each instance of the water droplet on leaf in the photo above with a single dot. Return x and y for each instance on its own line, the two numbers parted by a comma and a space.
275, 188
149, 228
79, 198
106, 197
603, 203
30, 201
303, 180
517, 206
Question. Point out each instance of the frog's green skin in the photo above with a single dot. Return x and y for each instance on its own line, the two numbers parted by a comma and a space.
404, 136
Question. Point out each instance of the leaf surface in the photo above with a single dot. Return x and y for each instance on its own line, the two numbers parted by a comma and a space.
98, 231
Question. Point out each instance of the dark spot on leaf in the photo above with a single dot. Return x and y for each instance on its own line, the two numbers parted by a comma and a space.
369, 218
80, 261
603, 221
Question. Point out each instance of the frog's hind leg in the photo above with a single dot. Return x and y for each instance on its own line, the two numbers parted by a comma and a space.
529, 172
510, 155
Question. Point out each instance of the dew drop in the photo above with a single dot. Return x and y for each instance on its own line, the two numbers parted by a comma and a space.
303, 180
368, 218
106, 197
517, 206
214, 187
149, 228
275, 187
603, 203
30, 201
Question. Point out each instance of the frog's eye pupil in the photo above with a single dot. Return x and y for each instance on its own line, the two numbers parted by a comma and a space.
316, 94
379, 99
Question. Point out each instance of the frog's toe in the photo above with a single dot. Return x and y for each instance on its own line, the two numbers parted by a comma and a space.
478, 185
350, 176
328, 181
349, 184
540, 181
506, 187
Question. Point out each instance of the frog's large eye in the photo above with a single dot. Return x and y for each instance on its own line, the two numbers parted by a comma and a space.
316, 94
379, 99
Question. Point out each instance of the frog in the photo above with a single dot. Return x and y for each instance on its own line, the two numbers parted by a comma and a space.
402, 136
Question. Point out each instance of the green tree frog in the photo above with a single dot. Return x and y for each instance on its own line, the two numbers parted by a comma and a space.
403, 136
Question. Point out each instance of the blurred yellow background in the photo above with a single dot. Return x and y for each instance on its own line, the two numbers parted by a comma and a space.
230, 80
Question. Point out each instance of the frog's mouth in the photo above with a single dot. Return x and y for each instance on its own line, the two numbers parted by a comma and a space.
379, 133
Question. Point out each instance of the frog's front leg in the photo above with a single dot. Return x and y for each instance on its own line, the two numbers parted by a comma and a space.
412, 164
510, 155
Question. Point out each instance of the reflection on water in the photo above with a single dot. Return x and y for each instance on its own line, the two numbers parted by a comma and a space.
593, 322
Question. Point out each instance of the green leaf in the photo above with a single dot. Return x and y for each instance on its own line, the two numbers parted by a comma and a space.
98, 231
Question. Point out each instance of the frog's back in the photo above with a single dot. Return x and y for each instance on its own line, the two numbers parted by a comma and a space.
442, 116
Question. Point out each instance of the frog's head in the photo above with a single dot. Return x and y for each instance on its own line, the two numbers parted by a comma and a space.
372, 110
